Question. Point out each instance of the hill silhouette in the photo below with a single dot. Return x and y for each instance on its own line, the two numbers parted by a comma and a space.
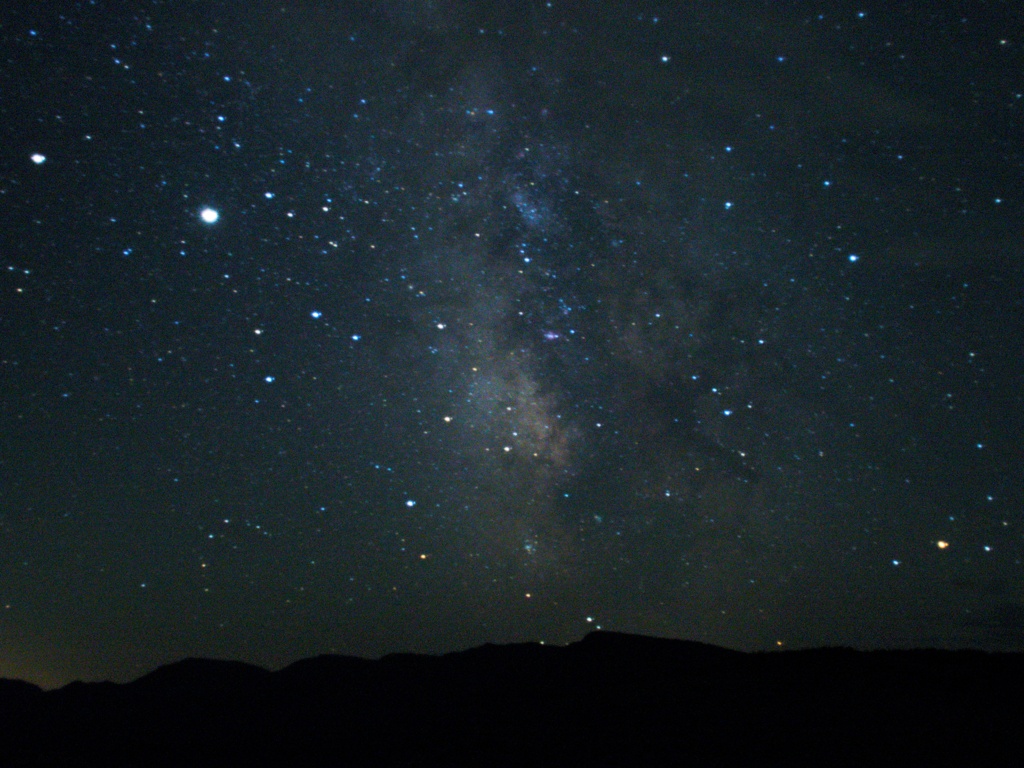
609, 700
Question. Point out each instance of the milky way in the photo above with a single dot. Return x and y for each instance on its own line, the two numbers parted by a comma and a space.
363, 328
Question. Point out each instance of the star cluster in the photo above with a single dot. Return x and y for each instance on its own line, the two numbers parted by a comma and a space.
411, 325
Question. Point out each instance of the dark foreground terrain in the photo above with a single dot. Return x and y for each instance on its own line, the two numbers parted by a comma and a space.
609, 700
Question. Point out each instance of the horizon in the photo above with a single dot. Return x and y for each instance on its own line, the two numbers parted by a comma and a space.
777, 648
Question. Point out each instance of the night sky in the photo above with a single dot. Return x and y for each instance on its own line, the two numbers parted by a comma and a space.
410, 325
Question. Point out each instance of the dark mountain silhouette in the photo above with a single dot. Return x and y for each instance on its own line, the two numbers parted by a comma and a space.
608, 700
